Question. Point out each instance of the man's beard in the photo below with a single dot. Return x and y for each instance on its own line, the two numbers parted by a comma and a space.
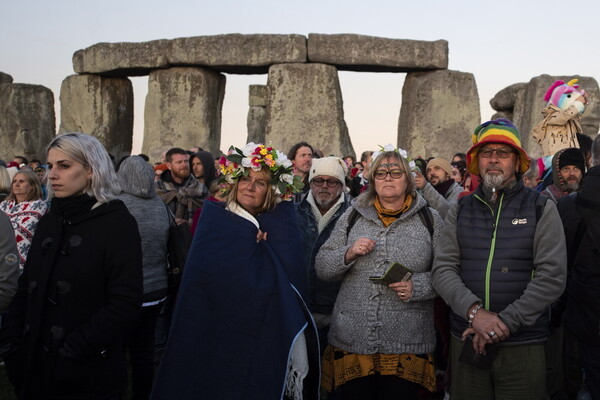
491, 181
180, 175
325, 204
572, 186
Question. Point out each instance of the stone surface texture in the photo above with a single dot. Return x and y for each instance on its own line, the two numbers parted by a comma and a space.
183, 109
505, 99
305, 104
27, 120
440, 110
529, 106
353, 52
256, 124
5, 78
99, 106
232, 53
258, 95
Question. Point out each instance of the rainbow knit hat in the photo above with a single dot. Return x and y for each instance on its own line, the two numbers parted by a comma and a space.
496, 131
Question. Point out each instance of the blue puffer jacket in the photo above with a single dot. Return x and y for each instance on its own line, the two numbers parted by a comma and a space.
321, 294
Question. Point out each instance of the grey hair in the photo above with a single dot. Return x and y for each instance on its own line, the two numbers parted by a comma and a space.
5, 181
596, 151
88, 151
368, 196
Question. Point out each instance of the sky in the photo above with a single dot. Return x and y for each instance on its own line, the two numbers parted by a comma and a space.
500, 43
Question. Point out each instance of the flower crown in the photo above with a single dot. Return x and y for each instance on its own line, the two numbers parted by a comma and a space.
238, 162
390, 147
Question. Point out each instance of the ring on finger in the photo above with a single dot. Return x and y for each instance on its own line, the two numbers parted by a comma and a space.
492, 334
401, 293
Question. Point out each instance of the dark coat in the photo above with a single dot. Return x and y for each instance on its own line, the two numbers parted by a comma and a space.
78, 297
580, 213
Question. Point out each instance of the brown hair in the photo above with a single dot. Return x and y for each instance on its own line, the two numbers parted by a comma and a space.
368, 196
270, 198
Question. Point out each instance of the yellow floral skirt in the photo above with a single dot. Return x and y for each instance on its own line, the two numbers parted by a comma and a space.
340, 366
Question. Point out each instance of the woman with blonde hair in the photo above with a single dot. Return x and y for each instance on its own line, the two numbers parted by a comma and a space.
24, 206
81, 289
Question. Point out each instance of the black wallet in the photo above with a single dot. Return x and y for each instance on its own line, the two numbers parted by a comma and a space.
395, 273
469, 356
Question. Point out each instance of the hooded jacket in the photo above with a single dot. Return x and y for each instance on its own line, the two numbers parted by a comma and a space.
136, 178
559, 188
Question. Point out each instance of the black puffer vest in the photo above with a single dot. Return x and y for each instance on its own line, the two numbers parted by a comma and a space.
496, 250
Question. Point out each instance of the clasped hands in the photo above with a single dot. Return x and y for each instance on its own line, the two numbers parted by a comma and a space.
487, 328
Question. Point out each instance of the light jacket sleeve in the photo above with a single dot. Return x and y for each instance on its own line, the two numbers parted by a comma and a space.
445, 273
438, 202
550, 276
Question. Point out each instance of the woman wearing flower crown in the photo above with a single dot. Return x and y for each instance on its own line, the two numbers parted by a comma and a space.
382, 335
240, 328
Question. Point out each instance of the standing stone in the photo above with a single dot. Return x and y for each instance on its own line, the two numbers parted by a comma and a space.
101, 107
529, 106
257, 114
5, 78
439, 112
27, 120
505, 99
305, 104
183, 109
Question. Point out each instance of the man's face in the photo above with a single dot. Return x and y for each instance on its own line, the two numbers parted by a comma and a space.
571, 176
436, 175
179, 167
497, 164
303, 160
326, 191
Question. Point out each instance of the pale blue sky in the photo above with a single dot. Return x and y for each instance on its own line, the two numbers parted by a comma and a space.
500, 42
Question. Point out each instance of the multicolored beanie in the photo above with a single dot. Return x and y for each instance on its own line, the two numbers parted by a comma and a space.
496, 131
563, 95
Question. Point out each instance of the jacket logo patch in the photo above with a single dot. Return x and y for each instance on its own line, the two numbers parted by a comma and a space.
519, 221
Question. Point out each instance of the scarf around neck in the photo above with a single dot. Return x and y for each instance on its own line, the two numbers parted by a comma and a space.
389, 216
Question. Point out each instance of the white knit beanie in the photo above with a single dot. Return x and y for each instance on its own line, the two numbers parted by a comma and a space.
330, 166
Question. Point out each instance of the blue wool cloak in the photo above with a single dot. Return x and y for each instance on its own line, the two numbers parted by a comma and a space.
239, 309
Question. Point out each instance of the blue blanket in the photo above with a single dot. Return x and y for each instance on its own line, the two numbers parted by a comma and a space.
239, 309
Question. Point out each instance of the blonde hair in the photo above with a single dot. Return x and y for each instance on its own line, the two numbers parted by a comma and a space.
88, 151
368, 196
5, 181
270, 199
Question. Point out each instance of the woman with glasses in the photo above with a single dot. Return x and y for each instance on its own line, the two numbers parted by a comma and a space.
382, 335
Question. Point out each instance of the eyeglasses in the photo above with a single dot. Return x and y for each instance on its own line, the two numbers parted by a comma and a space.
500, 153
381, 174
330, 182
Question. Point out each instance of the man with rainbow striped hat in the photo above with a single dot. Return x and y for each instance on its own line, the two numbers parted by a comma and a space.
499, 264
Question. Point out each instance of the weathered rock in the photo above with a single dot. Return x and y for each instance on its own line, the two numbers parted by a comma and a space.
122, 59
305, 104
5, 78
99, 106
439, 111
183, 109
27, 121
505, 99
502, 114
237, 53
232, 53
529, 106
258, 95
375, 54
257, 124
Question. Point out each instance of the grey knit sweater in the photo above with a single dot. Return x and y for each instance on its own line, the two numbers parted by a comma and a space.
370, 318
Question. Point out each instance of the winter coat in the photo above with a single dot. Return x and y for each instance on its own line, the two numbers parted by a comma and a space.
184, 199
9, 262
580, 213
370, 318
136, 178
438, 202
78, 297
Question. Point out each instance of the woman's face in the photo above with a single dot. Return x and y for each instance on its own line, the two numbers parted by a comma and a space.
21, 187
252, 191
390, 188
456, 175
67, 176
197, 167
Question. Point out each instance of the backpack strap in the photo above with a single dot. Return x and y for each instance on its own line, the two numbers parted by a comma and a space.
427, 219
352, 220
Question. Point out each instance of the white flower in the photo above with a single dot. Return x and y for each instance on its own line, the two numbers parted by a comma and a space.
389, 147
287, 178
282, 160
375, 155
249, 149
412, 165
403, 153
247, 162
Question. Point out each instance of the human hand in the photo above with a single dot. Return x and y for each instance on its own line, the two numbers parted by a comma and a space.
478, 341
180, 221
361, 247
489, 327
261, 236
404, 290
420, 180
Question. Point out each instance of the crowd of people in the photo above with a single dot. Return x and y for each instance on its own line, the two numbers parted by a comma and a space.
308, 276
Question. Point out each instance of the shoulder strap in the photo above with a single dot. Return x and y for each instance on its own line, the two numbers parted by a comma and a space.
427, 219
352, 220
540, 203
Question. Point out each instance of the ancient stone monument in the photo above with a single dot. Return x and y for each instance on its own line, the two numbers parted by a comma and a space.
258, 99
27, 121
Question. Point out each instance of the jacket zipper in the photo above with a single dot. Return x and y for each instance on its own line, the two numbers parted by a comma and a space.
488, 270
